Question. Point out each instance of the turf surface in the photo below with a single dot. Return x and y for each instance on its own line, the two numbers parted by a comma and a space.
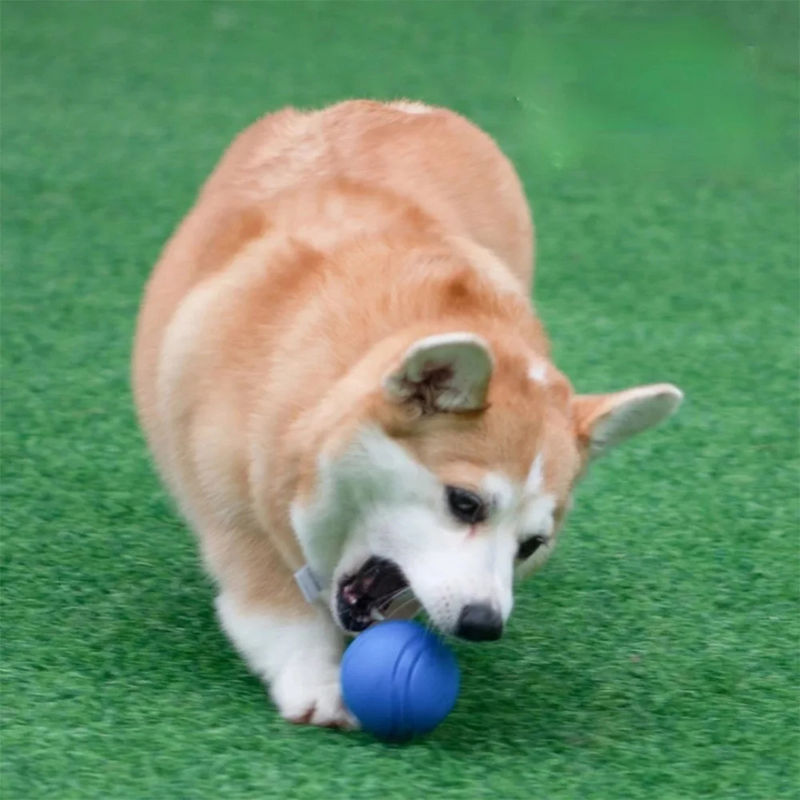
657, 655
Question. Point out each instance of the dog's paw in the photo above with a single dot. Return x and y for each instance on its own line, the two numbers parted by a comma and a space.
312, 697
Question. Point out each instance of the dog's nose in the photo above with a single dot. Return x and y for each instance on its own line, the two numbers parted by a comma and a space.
479, 622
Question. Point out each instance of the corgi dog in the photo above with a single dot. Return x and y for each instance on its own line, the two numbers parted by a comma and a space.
344, 385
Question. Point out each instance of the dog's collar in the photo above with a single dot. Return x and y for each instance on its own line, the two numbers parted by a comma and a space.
310, 583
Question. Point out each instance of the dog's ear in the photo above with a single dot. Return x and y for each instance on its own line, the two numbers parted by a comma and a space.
605, 420
449, 372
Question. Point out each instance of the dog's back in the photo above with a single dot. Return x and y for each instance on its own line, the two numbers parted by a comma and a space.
280, 175
432, 157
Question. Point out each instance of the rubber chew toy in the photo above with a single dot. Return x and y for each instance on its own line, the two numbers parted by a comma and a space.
399, 680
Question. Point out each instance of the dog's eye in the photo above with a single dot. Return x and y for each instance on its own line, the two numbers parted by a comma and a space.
466, 506
529, 547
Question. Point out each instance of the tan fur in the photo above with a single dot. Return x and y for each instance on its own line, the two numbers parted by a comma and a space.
322, 246
374, 186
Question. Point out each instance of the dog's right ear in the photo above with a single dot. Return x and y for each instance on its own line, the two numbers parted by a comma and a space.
449, 372
605, 420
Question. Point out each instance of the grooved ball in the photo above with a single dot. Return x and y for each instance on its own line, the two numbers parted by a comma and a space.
399, 680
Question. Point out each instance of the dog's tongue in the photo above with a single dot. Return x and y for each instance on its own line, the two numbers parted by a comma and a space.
378, 591
378, 578
386, 582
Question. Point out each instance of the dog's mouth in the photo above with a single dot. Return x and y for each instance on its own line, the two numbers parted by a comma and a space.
365, 596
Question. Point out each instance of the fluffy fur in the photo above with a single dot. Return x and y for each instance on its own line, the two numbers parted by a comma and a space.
339, 331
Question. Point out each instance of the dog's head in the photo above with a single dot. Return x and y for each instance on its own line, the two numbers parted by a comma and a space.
452, 476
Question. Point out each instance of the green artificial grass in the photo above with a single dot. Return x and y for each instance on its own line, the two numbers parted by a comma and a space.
657, 654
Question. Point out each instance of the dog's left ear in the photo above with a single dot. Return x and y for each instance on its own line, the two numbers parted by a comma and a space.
605, 420
449, 372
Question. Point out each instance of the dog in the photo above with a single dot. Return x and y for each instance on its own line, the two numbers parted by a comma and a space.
343, 383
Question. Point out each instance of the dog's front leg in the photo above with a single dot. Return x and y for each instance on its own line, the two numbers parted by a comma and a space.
296, 651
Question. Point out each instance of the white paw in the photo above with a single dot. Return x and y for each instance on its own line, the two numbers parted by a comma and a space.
297, 658
309, 695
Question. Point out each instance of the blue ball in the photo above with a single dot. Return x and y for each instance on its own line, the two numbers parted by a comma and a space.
399, 680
